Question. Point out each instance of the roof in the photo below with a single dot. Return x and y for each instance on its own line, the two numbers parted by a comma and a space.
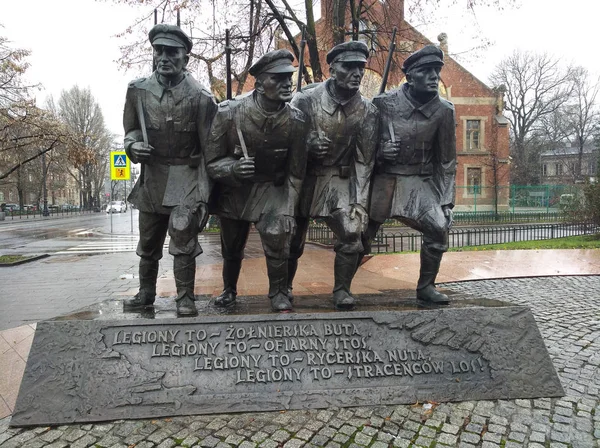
569, 151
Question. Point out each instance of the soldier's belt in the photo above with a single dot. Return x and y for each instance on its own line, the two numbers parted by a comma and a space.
342, 171
191, 160
407, 170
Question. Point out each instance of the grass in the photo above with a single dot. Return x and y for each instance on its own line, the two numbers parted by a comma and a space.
7, 259
572, 242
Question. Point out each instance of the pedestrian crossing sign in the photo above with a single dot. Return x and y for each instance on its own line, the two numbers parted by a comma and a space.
119, 166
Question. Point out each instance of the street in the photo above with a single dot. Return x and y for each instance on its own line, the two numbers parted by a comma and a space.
87, 264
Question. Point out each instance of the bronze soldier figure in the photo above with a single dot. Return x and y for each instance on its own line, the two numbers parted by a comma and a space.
256, 154
341, 150
167, 119
415, 168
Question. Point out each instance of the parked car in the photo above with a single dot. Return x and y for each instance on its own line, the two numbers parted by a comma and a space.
11, 208
116, 207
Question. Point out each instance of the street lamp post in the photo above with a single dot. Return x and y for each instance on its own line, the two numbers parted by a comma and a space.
45, 211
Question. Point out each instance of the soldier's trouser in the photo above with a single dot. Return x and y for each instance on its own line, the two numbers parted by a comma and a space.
184, 271
297, 247
153, 231
234, 235
276, 245
348, 247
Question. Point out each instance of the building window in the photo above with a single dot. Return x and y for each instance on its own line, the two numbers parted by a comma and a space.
544, 170
474, 180
473, 135
558, 169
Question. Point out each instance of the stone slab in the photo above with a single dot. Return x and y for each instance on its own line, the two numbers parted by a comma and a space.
94, 370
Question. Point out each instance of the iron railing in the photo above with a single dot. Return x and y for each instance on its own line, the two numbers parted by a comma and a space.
410, 241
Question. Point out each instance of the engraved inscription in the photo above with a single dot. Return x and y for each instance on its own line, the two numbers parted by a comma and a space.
314, 352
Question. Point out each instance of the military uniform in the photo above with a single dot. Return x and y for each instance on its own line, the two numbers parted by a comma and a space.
177, 121
420, 183
342, 177
276, 141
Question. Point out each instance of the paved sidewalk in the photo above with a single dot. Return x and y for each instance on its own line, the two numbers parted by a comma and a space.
567, 310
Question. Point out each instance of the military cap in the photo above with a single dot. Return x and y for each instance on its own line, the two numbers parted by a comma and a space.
277, 61
353, 51
169, 36
428, 55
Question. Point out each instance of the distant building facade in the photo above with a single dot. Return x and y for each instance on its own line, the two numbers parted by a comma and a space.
559, 166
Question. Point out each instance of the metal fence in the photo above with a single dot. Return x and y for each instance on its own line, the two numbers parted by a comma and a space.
37, 213
516, 198
410, 241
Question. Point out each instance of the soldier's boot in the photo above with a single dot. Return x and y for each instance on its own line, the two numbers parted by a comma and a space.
343, 273
292, 268
184, 270
430, 266
145, 297
278, 284
231, 273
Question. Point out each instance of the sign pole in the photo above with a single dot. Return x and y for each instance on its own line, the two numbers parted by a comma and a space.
110, 208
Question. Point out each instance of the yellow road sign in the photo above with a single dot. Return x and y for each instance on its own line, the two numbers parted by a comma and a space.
119, 166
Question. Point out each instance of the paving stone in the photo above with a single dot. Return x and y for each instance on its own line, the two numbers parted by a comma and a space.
341, 438
401, 443
234, 439
469, 437
294, 443
447, 439
362, 439
209, 442
423, 442
492, 437
245, 444
85, 441
168, 443
517, 436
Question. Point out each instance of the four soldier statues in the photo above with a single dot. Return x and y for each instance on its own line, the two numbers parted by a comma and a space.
277, 160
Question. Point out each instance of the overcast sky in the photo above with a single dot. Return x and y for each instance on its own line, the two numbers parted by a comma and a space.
72, 41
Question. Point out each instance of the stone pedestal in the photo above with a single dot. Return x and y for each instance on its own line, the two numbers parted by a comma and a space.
95, 369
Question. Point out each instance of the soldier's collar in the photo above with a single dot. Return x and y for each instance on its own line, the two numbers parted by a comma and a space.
260, 118
427, 109
158, 89
330, 103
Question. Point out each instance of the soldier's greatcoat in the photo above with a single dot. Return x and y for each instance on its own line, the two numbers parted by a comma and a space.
177, 120
277, 143
343, 177
422, 180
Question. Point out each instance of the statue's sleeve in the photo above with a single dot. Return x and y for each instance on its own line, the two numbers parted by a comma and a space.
296, 164
131, 126
219, 158
364, 157
445, 169
382, 129
206, 113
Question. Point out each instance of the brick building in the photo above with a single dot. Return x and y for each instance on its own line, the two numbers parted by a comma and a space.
482, 134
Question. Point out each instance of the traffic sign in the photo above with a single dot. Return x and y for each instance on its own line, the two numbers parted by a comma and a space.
119, 166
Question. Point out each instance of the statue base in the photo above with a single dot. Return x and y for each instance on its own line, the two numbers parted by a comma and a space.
103, 364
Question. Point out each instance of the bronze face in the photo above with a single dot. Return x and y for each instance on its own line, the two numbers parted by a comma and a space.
424, 80
170, 61
275, 86
348, 75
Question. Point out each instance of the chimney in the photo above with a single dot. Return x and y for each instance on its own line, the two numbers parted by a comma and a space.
443, 40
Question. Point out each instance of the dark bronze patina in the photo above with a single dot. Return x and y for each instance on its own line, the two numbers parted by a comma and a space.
341, 150
256, 154
415, 171
166, 120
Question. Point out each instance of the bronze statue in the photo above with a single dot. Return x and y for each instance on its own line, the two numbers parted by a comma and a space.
167, 119
341, 150
415, 170
256, 154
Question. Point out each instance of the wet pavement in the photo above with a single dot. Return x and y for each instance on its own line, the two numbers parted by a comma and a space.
566, 309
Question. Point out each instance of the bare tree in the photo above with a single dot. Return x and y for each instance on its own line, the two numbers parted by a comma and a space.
83, 116
255, 24
582, 113
536, 86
